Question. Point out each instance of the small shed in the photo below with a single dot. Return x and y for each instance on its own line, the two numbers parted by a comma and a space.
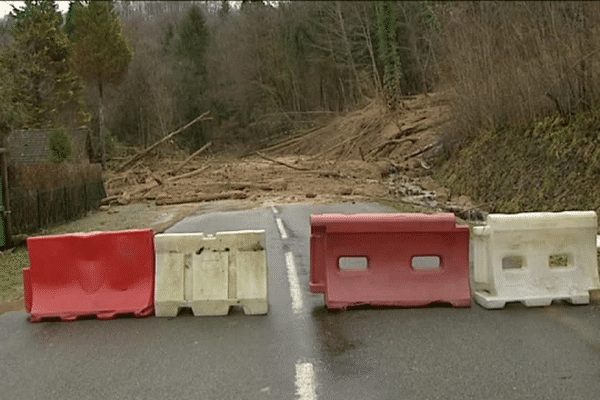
29, 147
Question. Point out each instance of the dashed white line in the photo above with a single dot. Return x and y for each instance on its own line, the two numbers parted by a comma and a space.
274, 210
281, 228
305, 381
297, 302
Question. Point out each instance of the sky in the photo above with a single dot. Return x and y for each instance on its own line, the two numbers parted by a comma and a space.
5, 6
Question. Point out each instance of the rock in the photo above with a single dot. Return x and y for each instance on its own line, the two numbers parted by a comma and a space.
311, 195
383, 168
414, 164
427, 183
442, 195
124, 199
464, 201
104, 208
113, 211
390, 130
279, 184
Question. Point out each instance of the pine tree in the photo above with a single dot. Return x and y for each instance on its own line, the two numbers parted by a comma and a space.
189, 51
69, 26
388, 52
45, 86
101, 51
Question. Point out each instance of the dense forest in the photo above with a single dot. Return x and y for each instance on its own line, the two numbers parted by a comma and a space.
135, 70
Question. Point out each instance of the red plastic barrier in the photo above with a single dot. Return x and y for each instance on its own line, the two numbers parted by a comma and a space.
100, 273
386, 245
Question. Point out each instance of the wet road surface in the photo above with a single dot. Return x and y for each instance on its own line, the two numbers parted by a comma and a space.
302, 351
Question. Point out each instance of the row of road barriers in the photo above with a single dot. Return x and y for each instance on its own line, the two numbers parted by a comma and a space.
416, 259
405, 260
134, 272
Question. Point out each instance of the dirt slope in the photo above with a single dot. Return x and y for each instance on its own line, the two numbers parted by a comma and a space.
347, 159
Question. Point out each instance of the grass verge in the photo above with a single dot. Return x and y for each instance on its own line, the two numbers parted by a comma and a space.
11, 274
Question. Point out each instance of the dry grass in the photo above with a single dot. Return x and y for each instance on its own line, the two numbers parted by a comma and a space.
510, 62
11, 274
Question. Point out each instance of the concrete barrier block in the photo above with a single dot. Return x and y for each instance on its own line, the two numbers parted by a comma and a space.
211, 273
535, 258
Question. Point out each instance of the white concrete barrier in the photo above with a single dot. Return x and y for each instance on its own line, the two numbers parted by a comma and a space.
211, 273
535, 258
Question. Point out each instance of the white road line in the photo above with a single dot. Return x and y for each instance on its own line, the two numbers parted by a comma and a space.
305, 381
281, 228
297, 302
274, 210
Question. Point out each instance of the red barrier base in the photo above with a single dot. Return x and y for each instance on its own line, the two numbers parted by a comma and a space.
102, 274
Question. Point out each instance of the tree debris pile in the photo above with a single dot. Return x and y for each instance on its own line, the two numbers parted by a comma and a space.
348, 158
375, 133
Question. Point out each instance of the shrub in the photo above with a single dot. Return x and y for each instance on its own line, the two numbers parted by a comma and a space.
60, 146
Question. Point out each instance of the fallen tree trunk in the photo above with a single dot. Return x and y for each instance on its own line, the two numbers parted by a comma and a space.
390, 142
187, 160
420, 151
202, 198
295, 139
109, 199
326, 174
189, 174
277, 185
281, 162
143, 153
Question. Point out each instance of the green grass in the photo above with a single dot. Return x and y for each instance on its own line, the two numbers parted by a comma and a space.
551, 164
11, 273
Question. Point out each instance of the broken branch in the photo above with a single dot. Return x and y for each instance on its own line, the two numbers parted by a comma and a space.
143, 153
420, 151
187, 160
201, 198
189, 174
281, 162
390, 142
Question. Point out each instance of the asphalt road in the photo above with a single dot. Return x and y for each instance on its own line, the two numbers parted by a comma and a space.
302, 351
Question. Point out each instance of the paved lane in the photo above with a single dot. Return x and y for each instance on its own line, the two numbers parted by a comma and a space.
302, 351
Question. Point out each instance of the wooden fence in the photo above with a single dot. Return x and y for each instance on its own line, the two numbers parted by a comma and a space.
32, 210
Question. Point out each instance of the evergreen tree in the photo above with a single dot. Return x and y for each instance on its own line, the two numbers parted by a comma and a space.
101, 51
45, 86
388, 52
69, 26
189, 51
225, 8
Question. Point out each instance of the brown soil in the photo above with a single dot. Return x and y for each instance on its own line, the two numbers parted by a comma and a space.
346, 146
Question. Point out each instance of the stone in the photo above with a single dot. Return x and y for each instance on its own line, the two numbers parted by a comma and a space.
464, 201
442, 195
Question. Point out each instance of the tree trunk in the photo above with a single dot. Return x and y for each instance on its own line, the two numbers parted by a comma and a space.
366, 32
101, 122
348, 50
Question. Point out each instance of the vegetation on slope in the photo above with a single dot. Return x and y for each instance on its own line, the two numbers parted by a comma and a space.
549, 165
